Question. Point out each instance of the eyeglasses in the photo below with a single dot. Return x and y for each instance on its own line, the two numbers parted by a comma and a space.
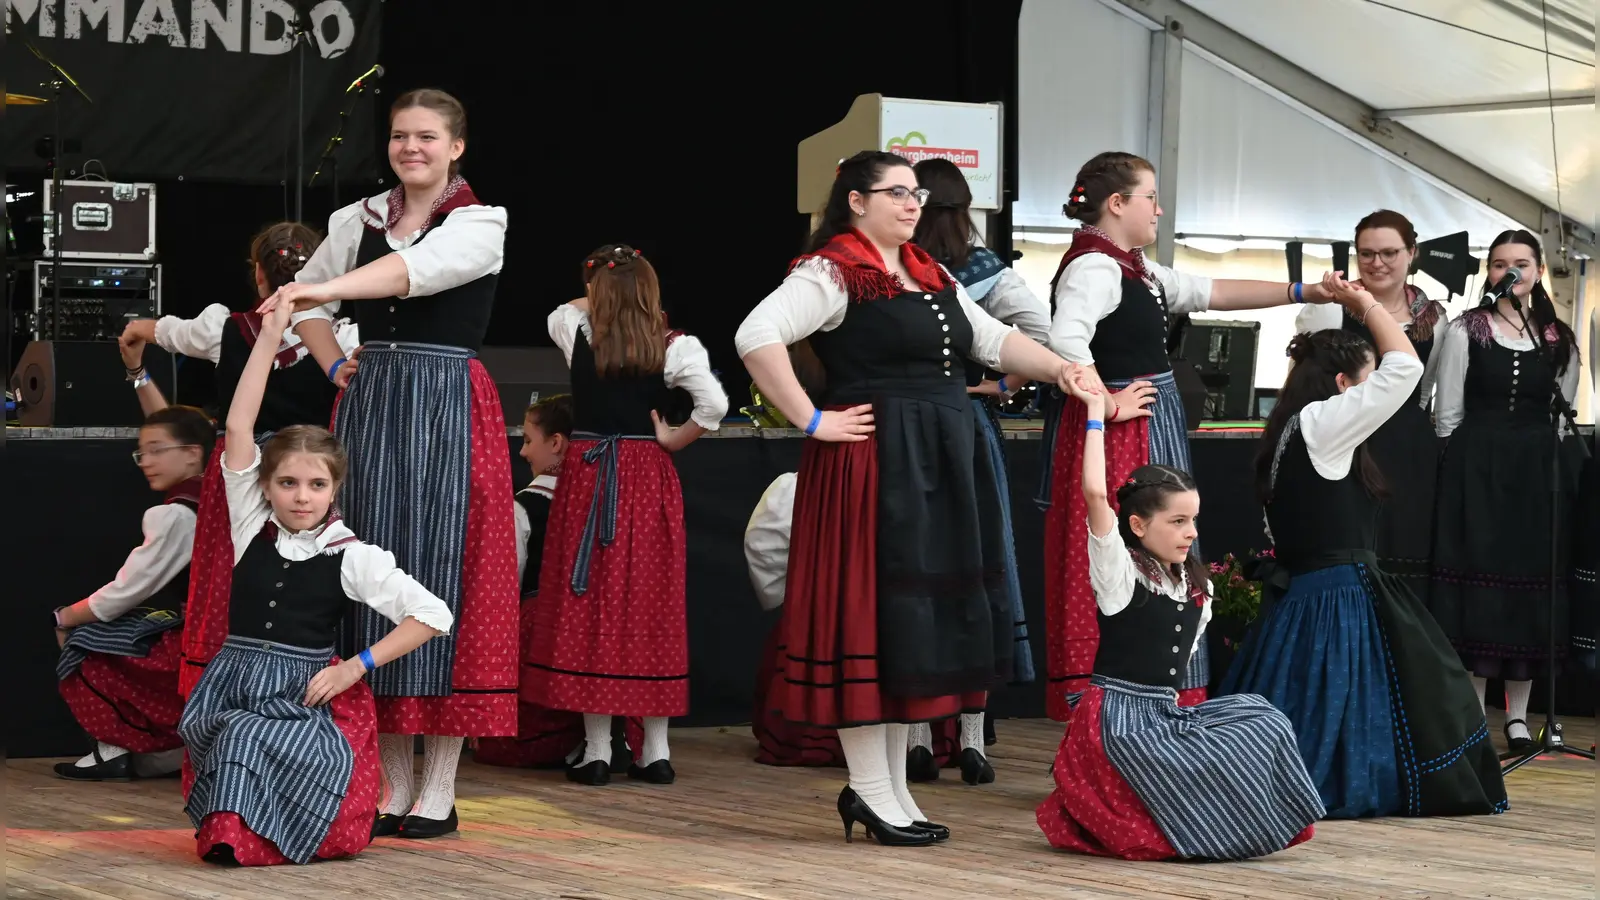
139, 455
1388, 256
900, 195
1152, 195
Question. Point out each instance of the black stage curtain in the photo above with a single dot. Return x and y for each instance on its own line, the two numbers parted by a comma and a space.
70, 533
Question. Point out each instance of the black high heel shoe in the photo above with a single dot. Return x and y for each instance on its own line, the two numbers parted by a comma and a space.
853, 809
939, 832
921, 767
975, 768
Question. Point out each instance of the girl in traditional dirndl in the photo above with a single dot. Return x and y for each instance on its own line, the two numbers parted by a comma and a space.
545, 737
894, 613
1110, 313
1137, 776
1404, 447
295, 395
429, 474
611, 633
1491, 561
947, 233
119, 646
1383, 712
281, 734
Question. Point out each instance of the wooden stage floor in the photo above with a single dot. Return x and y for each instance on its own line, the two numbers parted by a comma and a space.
733, 829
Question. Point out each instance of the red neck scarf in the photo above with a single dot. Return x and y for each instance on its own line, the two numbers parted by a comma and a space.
187, 490
1090, 239
457, 193
859, 271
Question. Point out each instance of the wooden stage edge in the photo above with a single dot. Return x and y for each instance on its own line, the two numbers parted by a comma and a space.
730, 828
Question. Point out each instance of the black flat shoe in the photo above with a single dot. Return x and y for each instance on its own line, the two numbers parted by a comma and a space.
416, 827
1518, 745
853, 809
118, 769
920, 765
975, 768
939, 832
386, 825
593, 774
658, 772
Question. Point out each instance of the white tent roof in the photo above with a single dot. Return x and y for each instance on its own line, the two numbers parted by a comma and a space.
1276, 107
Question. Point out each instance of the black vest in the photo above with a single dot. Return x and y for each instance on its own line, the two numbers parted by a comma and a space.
300, 394
295, 603
612, 404
1150, 640
1311, 517
458, 317
537, 506
1132, 341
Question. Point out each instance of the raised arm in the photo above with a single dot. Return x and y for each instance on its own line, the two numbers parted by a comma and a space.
246, 404
1097, 405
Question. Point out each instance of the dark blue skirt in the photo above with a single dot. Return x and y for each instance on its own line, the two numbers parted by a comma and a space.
1021, 655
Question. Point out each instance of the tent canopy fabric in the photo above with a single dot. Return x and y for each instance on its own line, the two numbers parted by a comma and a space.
1254, 163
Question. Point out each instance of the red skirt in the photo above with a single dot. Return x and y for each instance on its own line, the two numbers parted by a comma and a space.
1072, 631
1093, 809
205, 616
622, 646
544, 736
130, 702
828, 657
484, 676
779, 741
351, 831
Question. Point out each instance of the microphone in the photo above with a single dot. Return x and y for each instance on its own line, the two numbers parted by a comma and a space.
375, 72
1502, 288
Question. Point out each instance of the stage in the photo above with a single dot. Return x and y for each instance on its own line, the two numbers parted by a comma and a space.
730, 828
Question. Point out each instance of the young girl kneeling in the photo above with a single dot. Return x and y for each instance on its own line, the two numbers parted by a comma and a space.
1137, 776
282, 736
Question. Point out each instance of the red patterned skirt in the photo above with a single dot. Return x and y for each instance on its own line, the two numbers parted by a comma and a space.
618, 642
544, 736
205, 617
828, 661
402, 420
129, 701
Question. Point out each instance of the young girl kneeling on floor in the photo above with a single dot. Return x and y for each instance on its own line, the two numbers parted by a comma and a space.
282, 736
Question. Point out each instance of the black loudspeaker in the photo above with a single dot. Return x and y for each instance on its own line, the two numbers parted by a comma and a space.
1447, 261
1341, 258
1294, 252
524, 374
1224, 358
1193, 391
83, 384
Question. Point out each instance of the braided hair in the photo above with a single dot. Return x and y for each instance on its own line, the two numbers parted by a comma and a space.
1317, 359
281, 250
1145, 494
1100, 178
628, 330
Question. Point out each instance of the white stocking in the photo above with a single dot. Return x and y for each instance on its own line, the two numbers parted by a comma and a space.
1481, 685
866, 753
1517, 706
919, 735
440, 756
655, 740
897, 772
972, 732
597, 739
398, 752
108, 752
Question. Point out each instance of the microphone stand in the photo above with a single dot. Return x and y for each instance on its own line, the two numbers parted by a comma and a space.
301, 37
1549, 740
337, 141
59, 79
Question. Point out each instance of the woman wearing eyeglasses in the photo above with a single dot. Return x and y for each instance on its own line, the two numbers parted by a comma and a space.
120, 645
1404, 447
894, 612
1110, 313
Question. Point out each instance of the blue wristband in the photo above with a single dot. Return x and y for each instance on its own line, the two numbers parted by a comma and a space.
366, 660
816, 419
1094, 425
1298, 296
335, 367
1002, 384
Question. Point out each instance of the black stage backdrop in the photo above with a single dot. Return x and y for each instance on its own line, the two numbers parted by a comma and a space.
207, 89
596, 128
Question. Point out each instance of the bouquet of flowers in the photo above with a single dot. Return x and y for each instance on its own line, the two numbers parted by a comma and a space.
1236, 600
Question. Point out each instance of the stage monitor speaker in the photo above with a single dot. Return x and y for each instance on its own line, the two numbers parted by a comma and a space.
1224, 356
1192, 390
83, 384
524, 374
1447, 261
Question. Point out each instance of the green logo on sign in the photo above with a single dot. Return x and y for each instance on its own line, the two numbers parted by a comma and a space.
896, 142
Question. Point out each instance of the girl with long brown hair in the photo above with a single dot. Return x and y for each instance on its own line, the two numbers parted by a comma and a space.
429, 475
610, 631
